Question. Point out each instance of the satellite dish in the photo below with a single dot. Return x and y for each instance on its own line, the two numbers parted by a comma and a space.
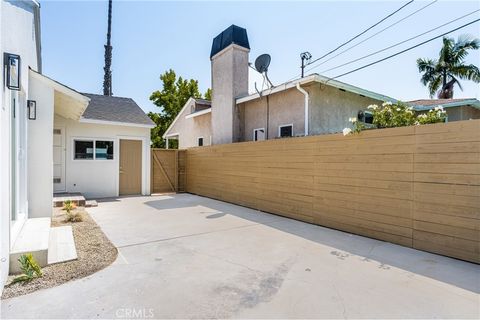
262, 63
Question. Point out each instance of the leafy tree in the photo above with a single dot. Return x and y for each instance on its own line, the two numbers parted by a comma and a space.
441, 75
208, 94
171, 99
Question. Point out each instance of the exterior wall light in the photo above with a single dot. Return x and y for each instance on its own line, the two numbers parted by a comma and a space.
32, 109
12, 63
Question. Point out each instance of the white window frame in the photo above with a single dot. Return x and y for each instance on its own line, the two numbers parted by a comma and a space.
203, 141
258, 129
94, 140
283, 126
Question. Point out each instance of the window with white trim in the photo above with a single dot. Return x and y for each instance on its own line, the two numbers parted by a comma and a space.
259, 134
93, 149
285, 131
200, 142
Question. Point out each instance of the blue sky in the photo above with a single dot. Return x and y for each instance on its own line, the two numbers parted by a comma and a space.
149, 37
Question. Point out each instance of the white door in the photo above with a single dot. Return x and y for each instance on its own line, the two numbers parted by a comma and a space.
59, 159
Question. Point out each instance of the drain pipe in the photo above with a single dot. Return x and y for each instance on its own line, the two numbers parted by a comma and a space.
305, 93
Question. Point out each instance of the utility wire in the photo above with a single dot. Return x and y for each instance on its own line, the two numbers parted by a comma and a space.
361, 33
405, 50
399, 43
373, 35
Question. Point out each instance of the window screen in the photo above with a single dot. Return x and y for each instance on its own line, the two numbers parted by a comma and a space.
104, 150
83, 149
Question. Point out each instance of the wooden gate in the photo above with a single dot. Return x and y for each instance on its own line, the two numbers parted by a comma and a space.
168, 170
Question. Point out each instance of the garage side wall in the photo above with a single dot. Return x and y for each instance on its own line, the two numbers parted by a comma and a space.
416, 186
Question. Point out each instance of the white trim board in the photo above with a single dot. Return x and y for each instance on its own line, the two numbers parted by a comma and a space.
198, 113
115, 123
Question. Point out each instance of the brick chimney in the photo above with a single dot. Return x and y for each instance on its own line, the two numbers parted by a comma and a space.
229, 57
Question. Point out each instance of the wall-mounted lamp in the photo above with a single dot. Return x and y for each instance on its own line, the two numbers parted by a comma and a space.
32, 109
12, 63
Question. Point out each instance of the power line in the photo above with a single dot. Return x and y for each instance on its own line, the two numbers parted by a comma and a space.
373, 35
405, 50
363, 32
399, 43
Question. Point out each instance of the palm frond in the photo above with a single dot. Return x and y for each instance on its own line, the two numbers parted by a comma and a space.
466, 72
434, 85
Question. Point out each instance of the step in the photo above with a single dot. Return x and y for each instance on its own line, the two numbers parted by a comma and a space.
59, 198
91, 203
61, 245
33, 238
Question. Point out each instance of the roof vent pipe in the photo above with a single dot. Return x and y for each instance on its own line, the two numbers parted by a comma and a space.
305, 93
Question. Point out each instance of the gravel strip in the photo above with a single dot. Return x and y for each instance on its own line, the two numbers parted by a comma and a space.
94, 252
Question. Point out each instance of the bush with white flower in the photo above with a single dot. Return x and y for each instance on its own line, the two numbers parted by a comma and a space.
390, 115
432, 116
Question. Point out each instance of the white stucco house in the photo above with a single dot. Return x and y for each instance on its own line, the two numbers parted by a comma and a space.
55, 139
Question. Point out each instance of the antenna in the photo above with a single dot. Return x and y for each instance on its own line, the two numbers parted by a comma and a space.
305, 56
261, 66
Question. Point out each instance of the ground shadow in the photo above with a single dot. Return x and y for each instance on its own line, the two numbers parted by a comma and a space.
344, 245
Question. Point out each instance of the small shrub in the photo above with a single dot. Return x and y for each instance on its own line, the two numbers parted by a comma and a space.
432, 116
74, 217
392, 115
68, 206
29, 267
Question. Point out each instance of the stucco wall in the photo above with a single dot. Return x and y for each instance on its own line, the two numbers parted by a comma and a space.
192, 128
329, 110
286, 107
40, 137
16, 36
99, 178
229, 81
331, 107
462, 113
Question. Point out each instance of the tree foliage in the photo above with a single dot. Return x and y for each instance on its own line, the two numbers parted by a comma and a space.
441, 75
171, 99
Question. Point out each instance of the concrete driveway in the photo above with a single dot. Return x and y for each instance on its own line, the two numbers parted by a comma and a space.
184, 256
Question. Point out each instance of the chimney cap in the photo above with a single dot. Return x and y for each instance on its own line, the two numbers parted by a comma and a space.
232, 35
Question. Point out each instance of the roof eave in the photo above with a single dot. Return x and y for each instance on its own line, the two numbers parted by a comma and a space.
464, 103
319, 79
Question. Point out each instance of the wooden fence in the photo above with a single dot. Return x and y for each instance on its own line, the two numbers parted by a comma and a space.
167, 170
416, 186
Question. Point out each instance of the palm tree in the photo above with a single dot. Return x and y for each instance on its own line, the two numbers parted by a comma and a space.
441, 75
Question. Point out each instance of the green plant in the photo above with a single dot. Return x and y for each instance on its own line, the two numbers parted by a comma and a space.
432, 116
68, 206
74, 217
391, 115
29, 267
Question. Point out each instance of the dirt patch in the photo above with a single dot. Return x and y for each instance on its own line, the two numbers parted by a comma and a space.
94, 252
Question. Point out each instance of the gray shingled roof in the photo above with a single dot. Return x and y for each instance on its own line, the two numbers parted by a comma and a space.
116, 109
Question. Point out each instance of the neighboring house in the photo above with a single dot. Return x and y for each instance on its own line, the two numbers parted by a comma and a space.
307, 106
55, 139
457, 109
194, 121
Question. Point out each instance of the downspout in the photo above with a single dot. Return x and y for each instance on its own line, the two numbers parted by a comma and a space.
305, 93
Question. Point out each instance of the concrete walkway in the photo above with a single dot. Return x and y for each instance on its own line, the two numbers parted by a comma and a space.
185, 256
